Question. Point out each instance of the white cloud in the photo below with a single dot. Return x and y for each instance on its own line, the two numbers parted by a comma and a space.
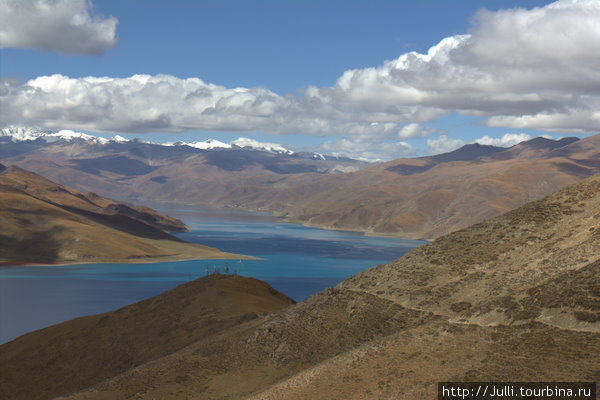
65, 26
414, 130
443, 144
537, 69
519, 68
508, 140
163, 103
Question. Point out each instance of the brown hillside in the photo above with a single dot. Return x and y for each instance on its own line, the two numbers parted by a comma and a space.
443, 198
515, 298
422, 197
85, 351
47, 223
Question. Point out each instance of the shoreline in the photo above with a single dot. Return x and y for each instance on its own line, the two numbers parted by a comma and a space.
365, 233
190, 207
148, 260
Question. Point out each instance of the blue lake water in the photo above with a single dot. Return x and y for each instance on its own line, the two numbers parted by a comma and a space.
296, 260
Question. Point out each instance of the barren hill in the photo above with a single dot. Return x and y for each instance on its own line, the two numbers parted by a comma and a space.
85, 351
423, 197
431, 196
515, 298
43, 222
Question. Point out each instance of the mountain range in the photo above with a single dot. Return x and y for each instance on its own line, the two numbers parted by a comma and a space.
422, 197
514, 298
20, 134
47, 223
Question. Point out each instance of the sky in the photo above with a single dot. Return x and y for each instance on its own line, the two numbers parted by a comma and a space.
368, 79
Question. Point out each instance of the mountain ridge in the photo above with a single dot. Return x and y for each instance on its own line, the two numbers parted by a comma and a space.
420, 198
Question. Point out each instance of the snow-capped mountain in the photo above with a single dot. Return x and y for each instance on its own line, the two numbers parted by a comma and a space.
20, 134
205, 145
240, 143
24, 134
246, 143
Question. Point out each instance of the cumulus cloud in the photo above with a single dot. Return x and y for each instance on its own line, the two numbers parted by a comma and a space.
443, 144
163, 103
65, 26
517, 68
537, 69
414, 130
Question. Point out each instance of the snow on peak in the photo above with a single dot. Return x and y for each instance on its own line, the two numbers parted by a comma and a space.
265, 146
243, 143
118, 139
205, 145
23, 134
209, 144
67, 134
18, 133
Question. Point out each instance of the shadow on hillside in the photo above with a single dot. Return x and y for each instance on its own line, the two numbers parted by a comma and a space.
34, 247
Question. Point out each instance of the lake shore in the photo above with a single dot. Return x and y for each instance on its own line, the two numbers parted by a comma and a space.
168, 208
183, 251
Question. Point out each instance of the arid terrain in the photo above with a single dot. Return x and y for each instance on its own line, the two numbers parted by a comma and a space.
419, 181
85, 351
423, 197
514, 298
47, 223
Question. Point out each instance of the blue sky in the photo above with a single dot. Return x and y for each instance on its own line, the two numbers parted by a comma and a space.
282, 46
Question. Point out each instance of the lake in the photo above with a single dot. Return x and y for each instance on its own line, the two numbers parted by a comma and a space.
295, 260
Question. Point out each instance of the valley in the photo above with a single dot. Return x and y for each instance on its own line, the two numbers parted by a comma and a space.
248, 200
512, 298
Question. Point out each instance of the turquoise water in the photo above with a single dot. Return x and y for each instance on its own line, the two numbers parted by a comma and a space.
296, 260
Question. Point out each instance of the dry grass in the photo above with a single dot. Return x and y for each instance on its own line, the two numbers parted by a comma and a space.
511, 299
45, 223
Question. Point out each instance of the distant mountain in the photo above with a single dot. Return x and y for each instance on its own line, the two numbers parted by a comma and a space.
468, 152
536, 147
86, 351
134, 169
514, 298
17, 134
422, 197
429, 196
43, 222
20, 134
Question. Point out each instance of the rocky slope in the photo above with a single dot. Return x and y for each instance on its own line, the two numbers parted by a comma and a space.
47, 223
515, 298
83, 352
422, 197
